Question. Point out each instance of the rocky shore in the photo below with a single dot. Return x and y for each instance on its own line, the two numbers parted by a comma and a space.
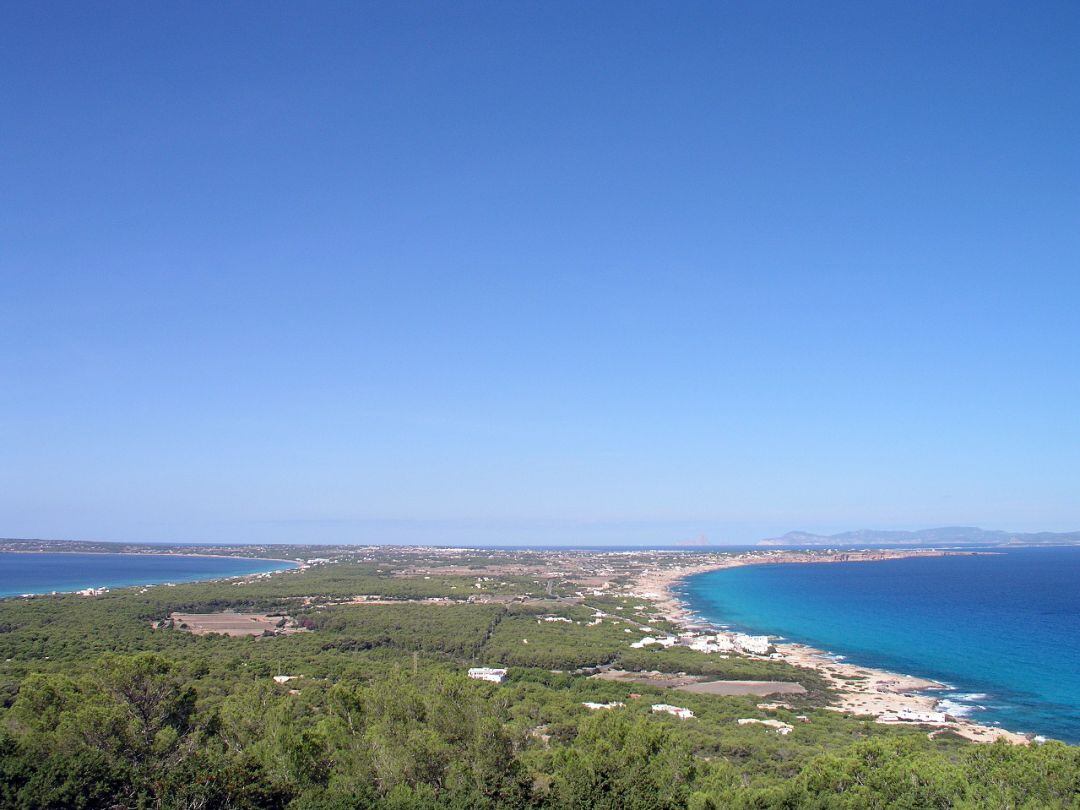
888, 697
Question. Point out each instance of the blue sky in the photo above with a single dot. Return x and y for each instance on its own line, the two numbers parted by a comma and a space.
537, 272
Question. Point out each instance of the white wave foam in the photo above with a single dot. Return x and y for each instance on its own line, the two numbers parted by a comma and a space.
954, 706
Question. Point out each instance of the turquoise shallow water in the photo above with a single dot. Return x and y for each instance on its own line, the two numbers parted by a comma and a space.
1003, 630
45, 573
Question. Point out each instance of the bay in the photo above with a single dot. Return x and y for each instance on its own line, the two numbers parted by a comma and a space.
1002, 629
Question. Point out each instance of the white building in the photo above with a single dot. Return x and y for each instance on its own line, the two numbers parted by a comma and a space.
615, 704
913, 716
667, 641
488, 674
724, 643
712, 644
758, 645
781, 727
675, 711
645, 642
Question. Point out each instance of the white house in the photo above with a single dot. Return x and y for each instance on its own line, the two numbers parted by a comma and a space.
781, 727
488, 674
588, 704
913, 716
675, 711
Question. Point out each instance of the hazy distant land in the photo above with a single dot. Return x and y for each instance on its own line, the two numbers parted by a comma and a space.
371, 673
942, 536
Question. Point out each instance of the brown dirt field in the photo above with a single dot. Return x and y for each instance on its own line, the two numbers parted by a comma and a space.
228, 624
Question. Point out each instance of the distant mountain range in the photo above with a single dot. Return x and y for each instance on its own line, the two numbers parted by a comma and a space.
943, 536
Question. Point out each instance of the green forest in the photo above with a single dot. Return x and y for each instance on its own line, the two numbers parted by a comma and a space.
102, 706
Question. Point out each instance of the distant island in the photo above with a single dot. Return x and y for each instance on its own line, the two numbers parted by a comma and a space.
944, 535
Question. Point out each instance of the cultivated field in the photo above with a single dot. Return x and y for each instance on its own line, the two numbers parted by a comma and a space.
229, 624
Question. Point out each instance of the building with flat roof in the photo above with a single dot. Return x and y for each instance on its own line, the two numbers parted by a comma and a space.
675, 711
488, 674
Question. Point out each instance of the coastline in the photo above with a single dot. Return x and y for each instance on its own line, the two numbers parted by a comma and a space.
293, 565
297, 563
860, 691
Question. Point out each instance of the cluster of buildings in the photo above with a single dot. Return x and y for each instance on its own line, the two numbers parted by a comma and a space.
707, 643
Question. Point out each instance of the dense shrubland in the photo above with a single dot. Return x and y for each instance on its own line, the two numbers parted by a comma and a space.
99, 710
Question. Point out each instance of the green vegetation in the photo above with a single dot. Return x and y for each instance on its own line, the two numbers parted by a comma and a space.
735, 667
100, 710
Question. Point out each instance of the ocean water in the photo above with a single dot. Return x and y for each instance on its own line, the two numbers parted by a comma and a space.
48, 572
1003, 630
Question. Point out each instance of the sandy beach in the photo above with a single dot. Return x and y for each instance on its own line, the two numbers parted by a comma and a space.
860, 691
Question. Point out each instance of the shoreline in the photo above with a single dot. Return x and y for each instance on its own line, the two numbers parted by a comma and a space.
153, 554
294, 565
860, 690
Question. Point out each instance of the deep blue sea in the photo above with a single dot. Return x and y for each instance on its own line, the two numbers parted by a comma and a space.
45, 573
1003, 630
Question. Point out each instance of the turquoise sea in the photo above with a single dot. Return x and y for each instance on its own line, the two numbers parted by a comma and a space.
48, 572
1003, 630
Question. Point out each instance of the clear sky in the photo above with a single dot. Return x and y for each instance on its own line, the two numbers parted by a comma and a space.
537, 272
